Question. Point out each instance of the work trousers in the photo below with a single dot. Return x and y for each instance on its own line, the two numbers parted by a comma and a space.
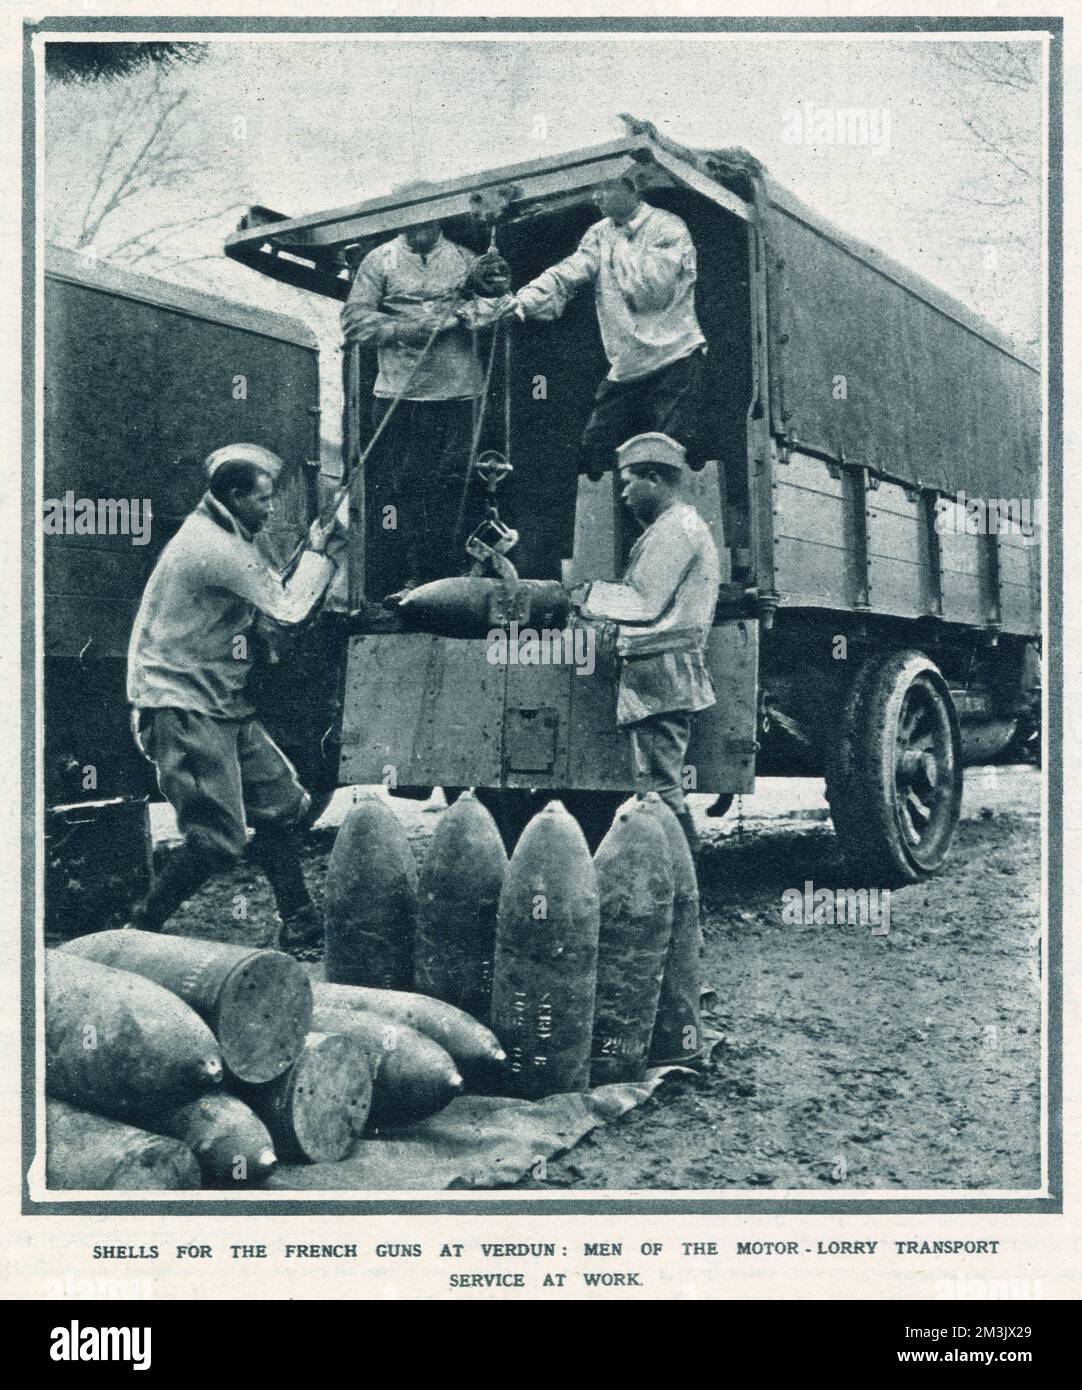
659, 748
220, 775
420, 510
668, 400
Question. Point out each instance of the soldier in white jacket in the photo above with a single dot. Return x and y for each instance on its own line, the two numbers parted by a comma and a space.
189, 659
664, 607
641, 262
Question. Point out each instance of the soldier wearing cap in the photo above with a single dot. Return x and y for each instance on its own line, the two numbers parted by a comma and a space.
188, 667
664, 607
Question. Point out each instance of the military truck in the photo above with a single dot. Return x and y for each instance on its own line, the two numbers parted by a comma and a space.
870, 630
142, 380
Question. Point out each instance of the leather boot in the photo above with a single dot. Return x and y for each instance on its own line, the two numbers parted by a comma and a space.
276, 850
301, 934
184, 871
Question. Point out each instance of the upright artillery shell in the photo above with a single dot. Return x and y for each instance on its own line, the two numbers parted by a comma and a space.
678, 1030
412, 1076
230, 1143
114, 1041
635, 884
546, 958
84, 1151
258, 1003
316, 1108
370, 900
460, 887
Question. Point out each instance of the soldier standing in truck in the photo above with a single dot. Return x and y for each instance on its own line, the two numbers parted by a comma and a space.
189, 659
404, 291
641, 261
663, 606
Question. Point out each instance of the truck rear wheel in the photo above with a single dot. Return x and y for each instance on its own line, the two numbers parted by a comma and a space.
894, 773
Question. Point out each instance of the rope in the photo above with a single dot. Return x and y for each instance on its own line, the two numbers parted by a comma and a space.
347, 485
479, 418
478, 411
507, 393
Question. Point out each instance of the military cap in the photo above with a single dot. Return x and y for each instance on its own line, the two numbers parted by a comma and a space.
652, 448
243, 453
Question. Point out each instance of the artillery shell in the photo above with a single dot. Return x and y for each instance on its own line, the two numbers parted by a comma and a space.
88, 1152
546, 958
370, 900
471, 605
456, 607
113, 1040
316, 1108
473, 1047
413, 1076
258, 1003
230, 1143
678, 1030
635, 885
456, 920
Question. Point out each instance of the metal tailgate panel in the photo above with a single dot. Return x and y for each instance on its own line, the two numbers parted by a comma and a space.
536, 726
428, 708
722, 748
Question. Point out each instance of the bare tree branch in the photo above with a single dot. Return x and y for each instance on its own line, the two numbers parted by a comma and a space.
151, 147
998, 148
1001, 64
153, 238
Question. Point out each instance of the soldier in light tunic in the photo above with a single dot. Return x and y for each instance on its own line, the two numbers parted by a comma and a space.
189, 660
664, 607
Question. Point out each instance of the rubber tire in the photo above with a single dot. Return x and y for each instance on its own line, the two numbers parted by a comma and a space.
859, 770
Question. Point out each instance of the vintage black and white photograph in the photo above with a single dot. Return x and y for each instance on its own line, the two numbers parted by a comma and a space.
542, 628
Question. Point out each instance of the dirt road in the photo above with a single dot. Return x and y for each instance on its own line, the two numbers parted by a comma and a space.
843, 1058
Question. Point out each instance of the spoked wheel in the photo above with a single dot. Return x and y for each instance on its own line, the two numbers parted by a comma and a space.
894, 775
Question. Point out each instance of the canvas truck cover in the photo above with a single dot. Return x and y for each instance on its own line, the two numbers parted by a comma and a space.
932, 396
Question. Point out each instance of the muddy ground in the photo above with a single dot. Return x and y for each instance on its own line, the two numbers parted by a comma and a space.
909, 1060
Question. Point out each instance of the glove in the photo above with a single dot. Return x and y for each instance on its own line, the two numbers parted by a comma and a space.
404, 333
489, 276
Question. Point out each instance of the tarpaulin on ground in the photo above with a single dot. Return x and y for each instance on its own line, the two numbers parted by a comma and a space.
476, 1141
